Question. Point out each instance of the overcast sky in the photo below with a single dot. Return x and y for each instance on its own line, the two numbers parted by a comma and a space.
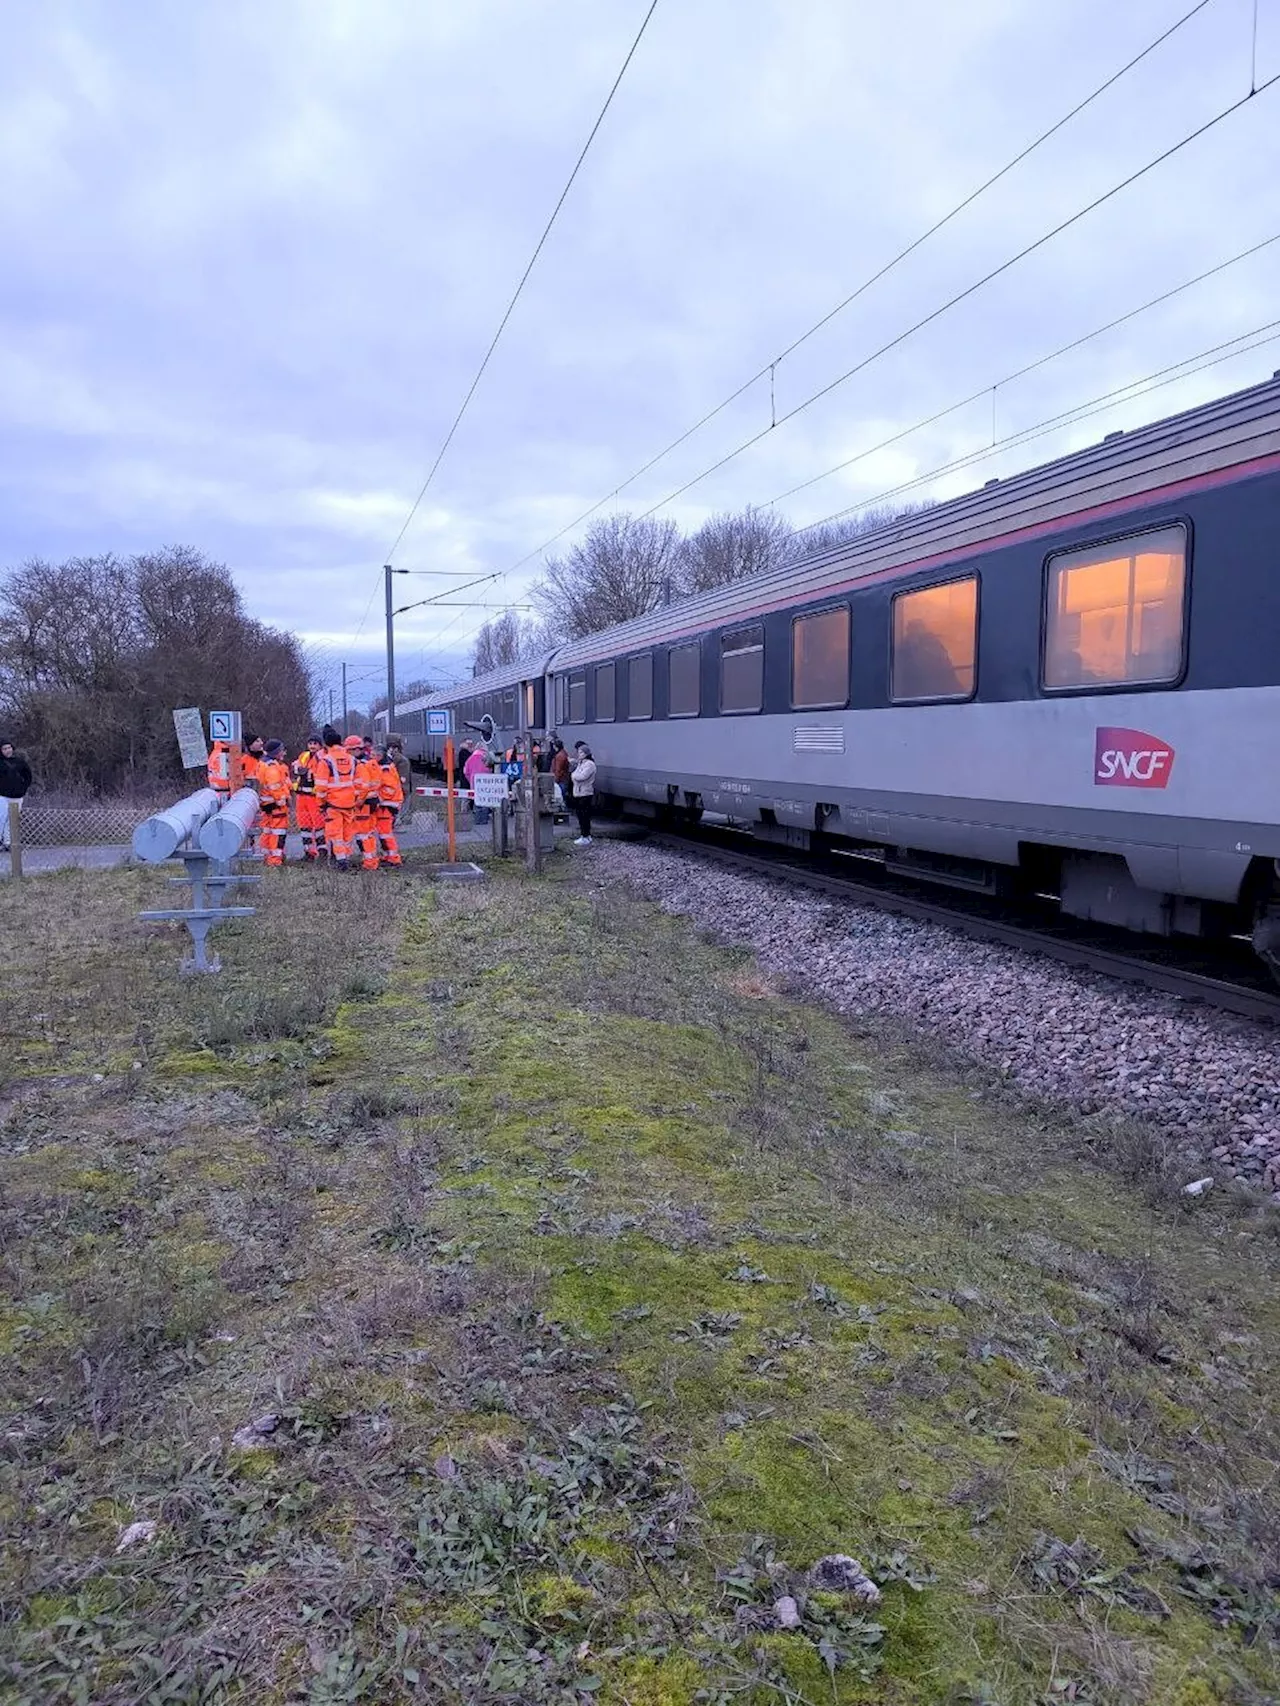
253, 251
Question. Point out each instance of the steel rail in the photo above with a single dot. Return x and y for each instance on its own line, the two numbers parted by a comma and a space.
1220, 993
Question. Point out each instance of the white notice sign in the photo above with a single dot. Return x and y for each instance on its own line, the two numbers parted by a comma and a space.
489, 790
190, 731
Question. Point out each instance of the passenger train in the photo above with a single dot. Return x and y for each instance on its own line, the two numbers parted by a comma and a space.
1066, 683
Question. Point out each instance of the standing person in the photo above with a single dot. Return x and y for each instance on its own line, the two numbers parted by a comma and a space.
15, 779
368, 799
271, 779
336, 791
254, 752
561, 771
306, 800
396, 753
218, 770
477, 765
584, 791
390, 799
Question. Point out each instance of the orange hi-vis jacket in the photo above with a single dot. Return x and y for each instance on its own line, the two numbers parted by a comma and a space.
249, 763
304, 780
390, 787
272, 779
336, 778
368, 784
219, 767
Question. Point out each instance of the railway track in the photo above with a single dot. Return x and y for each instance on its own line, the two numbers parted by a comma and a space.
1243, 991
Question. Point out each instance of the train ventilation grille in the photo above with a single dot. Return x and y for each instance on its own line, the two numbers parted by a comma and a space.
817, 739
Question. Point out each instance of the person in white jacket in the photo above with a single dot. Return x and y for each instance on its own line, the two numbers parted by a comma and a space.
584, 791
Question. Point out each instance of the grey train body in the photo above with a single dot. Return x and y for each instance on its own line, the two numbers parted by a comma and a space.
1021, 725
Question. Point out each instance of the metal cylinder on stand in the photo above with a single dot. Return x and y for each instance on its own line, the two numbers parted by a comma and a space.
159, 837
223, 836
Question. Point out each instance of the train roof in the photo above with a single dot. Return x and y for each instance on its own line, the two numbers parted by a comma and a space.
524, 669
1224, 434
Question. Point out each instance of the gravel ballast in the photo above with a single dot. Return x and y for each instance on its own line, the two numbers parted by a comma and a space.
1210, 1081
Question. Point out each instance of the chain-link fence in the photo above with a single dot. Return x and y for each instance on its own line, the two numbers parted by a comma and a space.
99, 833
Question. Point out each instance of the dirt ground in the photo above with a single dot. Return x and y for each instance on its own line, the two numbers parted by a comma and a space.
502, 1294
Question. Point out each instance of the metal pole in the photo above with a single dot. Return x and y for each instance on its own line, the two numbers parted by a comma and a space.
391, 657
449, 813
331, 705
533, 827
345, 728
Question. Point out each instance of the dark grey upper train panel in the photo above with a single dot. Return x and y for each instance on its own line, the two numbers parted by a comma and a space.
1215, 437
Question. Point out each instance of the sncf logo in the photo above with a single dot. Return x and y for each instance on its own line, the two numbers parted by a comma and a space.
1127, 758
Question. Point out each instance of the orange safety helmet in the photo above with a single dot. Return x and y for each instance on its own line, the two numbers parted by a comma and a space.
354, 741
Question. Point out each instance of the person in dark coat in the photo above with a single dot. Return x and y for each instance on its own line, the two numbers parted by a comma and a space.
15, 779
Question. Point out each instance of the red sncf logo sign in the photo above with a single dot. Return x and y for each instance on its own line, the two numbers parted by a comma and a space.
1127, 758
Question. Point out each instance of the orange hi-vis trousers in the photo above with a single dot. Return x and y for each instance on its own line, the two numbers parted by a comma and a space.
338, 823
310, 824
366, 834
275, 826
386, 821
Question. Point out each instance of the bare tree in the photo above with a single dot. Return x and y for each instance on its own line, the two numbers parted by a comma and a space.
830, 535
731, 547
96, 652
622, 569
405, 691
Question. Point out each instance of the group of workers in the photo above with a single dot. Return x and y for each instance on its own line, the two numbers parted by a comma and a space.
346, 796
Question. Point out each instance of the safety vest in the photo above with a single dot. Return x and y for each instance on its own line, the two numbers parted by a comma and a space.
219, 767
336, 778
390, 787
304, 776
272, 780
368, 780
249, 763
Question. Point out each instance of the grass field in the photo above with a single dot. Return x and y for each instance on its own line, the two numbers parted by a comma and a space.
504, 1295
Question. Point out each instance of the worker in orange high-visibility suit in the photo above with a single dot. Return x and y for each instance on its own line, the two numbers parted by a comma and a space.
307, 801
368, 802
390, 799
218, 769
335, 774
271, 779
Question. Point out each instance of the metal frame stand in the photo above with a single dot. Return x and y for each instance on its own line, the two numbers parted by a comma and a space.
208, 880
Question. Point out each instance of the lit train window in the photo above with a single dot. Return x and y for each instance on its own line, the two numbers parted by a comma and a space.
684, 697
935, 641
1114, 613
742, 669
577, 696
560, 701
606, 693
640, 687
820, 659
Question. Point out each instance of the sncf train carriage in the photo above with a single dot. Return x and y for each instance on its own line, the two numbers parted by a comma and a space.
1066, 682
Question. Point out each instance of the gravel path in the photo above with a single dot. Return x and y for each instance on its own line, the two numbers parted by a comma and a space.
1210, 1080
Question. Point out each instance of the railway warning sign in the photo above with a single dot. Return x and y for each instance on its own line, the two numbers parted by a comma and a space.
490, 790
1128, 758
440, 722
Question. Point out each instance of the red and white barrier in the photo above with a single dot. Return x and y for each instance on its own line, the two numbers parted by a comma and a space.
443, 793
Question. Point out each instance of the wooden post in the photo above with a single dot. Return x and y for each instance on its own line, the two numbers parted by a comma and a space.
15, 839
235, 767
449, 811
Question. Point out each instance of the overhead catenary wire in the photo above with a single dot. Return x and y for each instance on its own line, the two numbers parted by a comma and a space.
1021, 372
524, 279
509, 310
1213, 356
770, 368
963, 295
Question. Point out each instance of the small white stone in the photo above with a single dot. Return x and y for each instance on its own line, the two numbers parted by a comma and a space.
1197, 1187
136, 1532
787, 1612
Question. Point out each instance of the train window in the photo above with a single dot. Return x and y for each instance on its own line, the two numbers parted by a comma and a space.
1114, 612
640, 687
528, 705
742, 669
605, 694
558, 700
685, 697
935, 641
820, 659
577, 696
509, 708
